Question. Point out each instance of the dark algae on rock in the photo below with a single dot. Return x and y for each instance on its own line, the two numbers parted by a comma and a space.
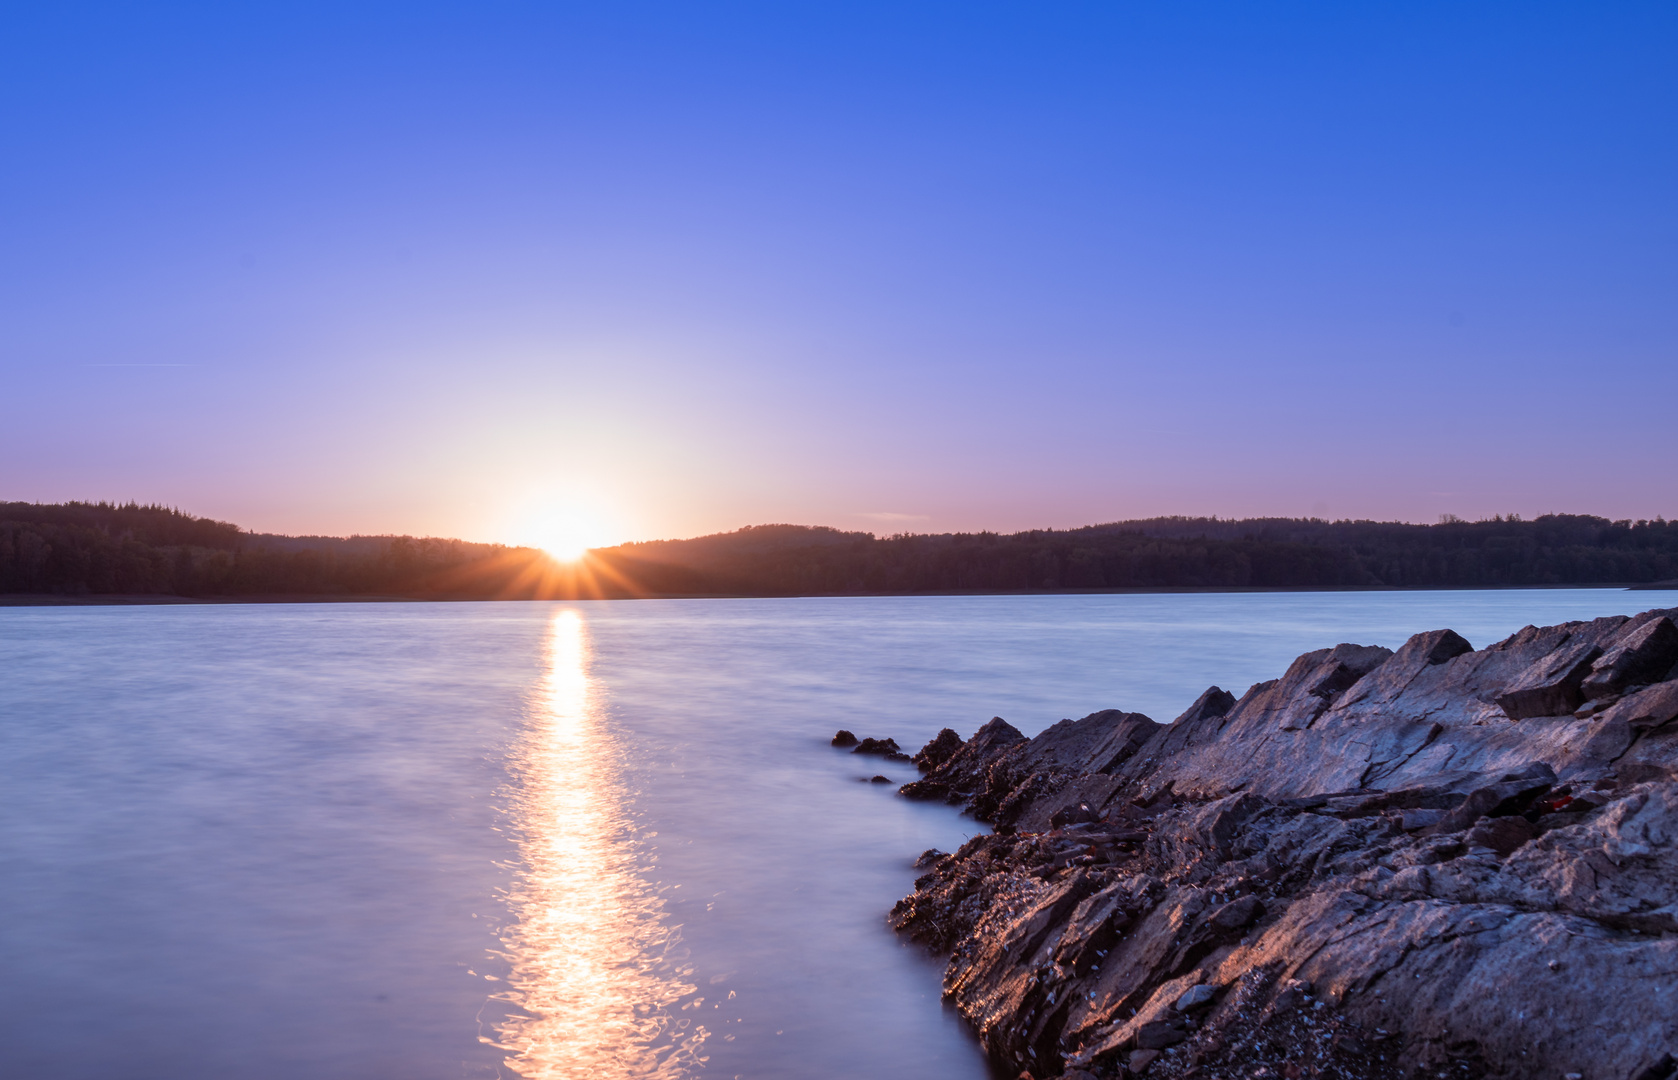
1441, 861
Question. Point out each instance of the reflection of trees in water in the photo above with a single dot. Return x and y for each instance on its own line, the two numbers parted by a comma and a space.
596, 975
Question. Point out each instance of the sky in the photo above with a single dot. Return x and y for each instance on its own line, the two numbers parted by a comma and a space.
586, 273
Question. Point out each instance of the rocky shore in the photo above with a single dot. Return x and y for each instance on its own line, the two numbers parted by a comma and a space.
1442, 861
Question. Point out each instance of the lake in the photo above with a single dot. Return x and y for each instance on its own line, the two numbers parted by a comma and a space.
550, 840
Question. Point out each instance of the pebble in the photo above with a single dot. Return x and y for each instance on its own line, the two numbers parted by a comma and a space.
1197, 997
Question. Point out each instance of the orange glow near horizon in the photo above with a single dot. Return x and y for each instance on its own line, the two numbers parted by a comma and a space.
566, 552
566, 526
596, 973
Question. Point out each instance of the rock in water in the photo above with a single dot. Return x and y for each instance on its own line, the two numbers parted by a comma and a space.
1376, 864
843, 738
942, 748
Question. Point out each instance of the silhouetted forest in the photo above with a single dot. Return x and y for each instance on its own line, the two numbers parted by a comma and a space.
83, 549
79, 549
1205, 553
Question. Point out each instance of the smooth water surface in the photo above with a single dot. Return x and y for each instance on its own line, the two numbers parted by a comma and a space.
549, 840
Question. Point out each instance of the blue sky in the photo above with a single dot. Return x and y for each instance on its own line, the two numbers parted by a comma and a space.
510, 271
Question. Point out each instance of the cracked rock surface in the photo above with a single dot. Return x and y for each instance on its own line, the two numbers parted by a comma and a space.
1440, 861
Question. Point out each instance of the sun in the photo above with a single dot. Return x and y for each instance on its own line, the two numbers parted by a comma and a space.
569, 534
566, 551
565, 526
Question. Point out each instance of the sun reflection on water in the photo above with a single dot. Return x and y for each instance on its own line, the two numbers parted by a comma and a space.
595, 971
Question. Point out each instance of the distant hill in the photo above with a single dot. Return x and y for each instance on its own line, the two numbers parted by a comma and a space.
1163, 553
80, 549
92, 549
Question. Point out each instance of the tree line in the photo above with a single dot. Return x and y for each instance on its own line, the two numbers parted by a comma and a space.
1166, 553
77, 549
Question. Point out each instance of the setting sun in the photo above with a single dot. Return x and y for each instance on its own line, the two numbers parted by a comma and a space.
566, 526
566, 550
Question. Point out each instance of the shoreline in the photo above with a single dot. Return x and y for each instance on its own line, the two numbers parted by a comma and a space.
140, 599
1434, 861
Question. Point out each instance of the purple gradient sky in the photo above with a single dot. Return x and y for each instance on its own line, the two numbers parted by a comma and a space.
607, 272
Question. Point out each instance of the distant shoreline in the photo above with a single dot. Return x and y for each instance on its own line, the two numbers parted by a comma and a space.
158, 599
106, 553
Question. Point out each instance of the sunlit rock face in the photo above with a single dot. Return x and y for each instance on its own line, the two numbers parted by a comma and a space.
1441, 861
596, 972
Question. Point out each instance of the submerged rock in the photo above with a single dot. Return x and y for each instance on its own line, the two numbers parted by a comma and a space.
886, 748
1377, 865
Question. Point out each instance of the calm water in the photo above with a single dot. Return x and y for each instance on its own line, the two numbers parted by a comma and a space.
602, 840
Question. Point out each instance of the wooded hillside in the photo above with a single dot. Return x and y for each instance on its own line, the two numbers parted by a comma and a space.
77, 549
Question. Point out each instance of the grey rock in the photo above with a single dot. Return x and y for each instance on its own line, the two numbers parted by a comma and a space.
1643, 653
1426, 860
1502, 835
1595, 707
939, 750
1237, 913
1551, 686
928, 791
1411, 820
1159, 1034
1197, 997
1650, 707
1311, 684
1093, 930
1511, 793
1026, 783
1445, 645
1215, 702
964, 770
1296, 993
